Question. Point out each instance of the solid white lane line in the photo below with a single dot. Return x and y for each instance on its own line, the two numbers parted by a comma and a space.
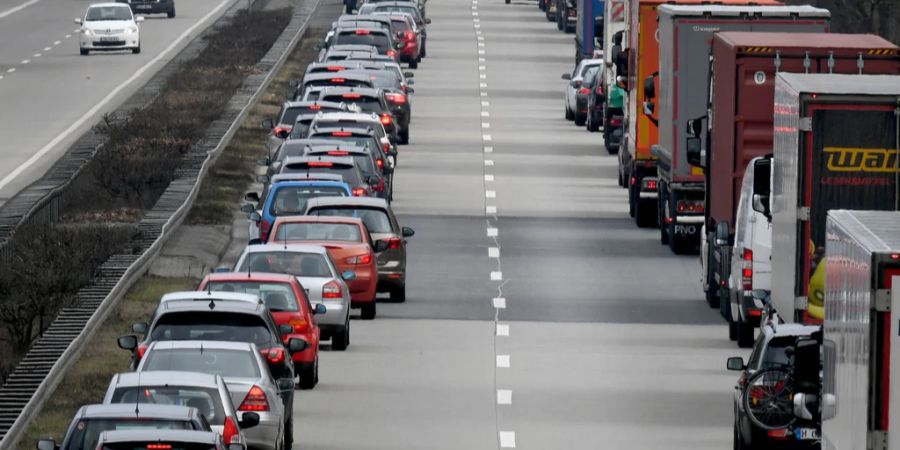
493, 252
490, 194
502, 330
496, 276
40, 154
507, 439
499, 302
488, 177
504, 396
18, 8
493, 232
490, 210
503, 361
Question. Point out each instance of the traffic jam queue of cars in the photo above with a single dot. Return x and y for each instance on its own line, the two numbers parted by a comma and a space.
748, 133
217, 367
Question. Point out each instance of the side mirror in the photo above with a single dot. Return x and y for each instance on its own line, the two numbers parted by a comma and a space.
622, 82
297, 345
649, 107
285, 384
262, 178
255, 216
649, 88
47, 444
407, 232
380, 246
128, 342
694, 151
723, 233
617, 38
761, 205
285, 329
829, 406
320, 45
78, 21
410, 82
138, 19
247, 208
408, 75
410, 90
348, 275
735, 363
268, 123
263, 162
248, 420
427, 20
566, 76
252, 197
320, 309
762, 174
139, 327
282, 133
387, 169
621, 62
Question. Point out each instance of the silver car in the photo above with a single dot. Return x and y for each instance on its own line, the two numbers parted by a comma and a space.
208, 393
318, 275
180, 439
247, 376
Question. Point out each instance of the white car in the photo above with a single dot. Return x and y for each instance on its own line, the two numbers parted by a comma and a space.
575, 79
109, 26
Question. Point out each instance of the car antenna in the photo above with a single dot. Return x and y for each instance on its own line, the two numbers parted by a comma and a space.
137, 401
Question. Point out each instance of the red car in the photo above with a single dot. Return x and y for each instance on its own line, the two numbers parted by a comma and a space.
287, 301
403, 26
348, 243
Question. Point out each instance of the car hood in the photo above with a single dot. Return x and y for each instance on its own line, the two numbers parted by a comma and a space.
108, 24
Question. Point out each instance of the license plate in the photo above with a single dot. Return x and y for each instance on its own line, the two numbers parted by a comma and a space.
142, 6
806, 434
108, 39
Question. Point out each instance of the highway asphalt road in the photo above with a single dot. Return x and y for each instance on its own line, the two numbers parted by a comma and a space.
538, 316
51, 95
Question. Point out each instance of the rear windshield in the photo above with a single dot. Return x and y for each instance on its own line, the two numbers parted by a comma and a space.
206, 400
289, 115
291, 200
775, 354
301, 128
350, 174
170, 446
397, 8
329, 82
379, 40
294, 263
384, 79
365, 103
278, 297
400, 26
318, 232
227, 363
86, 432
358, 141
363, 162
211, 326
376, 220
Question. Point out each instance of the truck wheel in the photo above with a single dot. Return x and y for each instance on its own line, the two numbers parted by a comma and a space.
744, 334
569, 29
644, 214
631, 207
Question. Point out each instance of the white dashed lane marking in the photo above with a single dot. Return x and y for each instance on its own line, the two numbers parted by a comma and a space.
490, 210
493, 252
504, 397
488, 177
508, 439
503, 361
502, 330
499, 302
493, 232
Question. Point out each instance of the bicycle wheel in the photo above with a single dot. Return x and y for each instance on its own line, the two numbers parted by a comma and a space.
769, 399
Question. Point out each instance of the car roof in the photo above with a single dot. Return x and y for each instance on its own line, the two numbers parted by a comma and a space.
291, 160
363, 91
144, 411
330, 75
289, 248
306, 179
145, 435
200, 345
326, 149
251, 276
210, 295
166, 378
790, 329
349, 27
346, 201
364, 131
116, 4
318, 219
341, 115
305, 103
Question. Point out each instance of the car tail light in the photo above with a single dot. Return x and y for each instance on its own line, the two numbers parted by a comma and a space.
779, 434
360, 259
255, 400
747, 269
338, 80
141, 350
599, 90
332, 289
299, 325
649, 184
394, 243
615, 122
264, 227
351, 95
335, 68
273, 355
281, 130
690, 206
159, 446
386, 147
572, 13
320, 164
394, 97
392, 53
379, 163
230, 432
315, 107
362, 31
359, 192
584, 90
338, 153
386, 119
341, 134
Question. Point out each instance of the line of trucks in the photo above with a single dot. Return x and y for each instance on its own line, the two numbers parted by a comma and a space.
771, 147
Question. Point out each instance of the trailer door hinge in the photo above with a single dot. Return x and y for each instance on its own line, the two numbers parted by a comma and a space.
882, 300
803, 213
801, 302
805, 124
878, 440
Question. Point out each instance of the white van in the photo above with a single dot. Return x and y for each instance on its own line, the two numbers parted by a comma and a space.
751, 264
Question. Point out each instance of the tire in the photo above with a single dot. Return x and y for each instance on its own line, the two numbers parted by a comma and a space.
422, 54
84, 51
507, 2
414, 64
569, 114
289, 434
644, 216
398, 294
309, 376
559, 25
404, 137
621, 179
631, 203
744, 334
137, 49
580, 120
340, 340
368, 311
593, 124
171, 13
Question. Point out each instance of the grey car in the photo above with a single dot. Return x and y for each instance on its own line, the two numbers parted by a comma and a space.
179, 439
91, 420
247, 377
319, 276
383, 225
208, 393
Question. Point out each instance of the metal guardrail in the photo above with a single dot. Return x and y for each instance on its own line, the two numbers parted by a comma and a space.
43, 367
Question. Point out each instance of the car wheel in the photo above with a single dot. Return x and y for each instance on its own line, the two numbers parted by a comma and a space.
423, 49
593, 124
137, 49
341, 338
309, 376
664, 235
84, 51
398, 294
414, 64
289, 434
569, 114
737, 439
404, 137
368, 311
171, 13
744, 334
580, 119
732, 330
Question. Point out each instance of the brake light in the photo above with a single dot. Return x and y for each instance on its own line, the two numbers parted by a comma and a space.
379, 163
315, 107
255, 400
779, 434
747, 269
320, 164
338, 80
386, 119
359, 192
395, 97
380, 187
360, 259
615, 122
648, 184
281, 130
264, 229
351, 95
341, 134
338, 153
299, 325
386, 147
230, 432
335, 68
392, 53
159, 446
584, 90
332, 289
409, 35
362, 31
273, 355
394, 243
690, 206
141, 350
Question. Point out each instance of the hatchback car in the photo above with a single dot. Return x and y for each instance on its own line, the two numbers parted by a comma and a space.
109, 26
163, 440
287, 195
384, 152
407, 34
247, 378
382, 225
319, 276
575, 79
282, 124
368, 120
344, 166
208, 393
369, 101
327, 79
376, 37
369, 161
350, 246
91, 420
391, 7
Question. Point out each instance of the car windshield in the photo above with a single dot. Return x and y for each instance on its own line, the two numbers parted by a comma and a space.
293, 231
206, 399
291, 200
278, 297
376, 220
86, 432
167, 446
297, 264
366, 104
227, 363
101, 13
364, 37
211, 326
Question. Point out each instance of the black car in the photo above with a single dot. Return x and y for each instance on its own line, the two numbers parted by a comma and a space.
145, 7
376, 37
387, 7
596, 100
329, 79
369, 101
365, 159
361, 186
357, 136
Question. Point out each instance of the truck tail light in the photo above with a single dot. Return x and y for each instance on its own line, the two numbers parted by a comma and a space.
360, 259
747, 269
255, 400
690, 206
230, 431
649, 184
332, 289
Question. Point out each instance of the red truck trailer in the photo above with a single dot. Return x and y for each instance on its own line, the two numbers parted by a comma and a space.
740, 128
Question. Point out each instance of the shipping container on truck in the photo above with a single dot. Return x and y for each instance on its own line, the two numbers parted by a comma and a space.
685, 36
836, 147
588, 16
740, 126
861, 376
637, 166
